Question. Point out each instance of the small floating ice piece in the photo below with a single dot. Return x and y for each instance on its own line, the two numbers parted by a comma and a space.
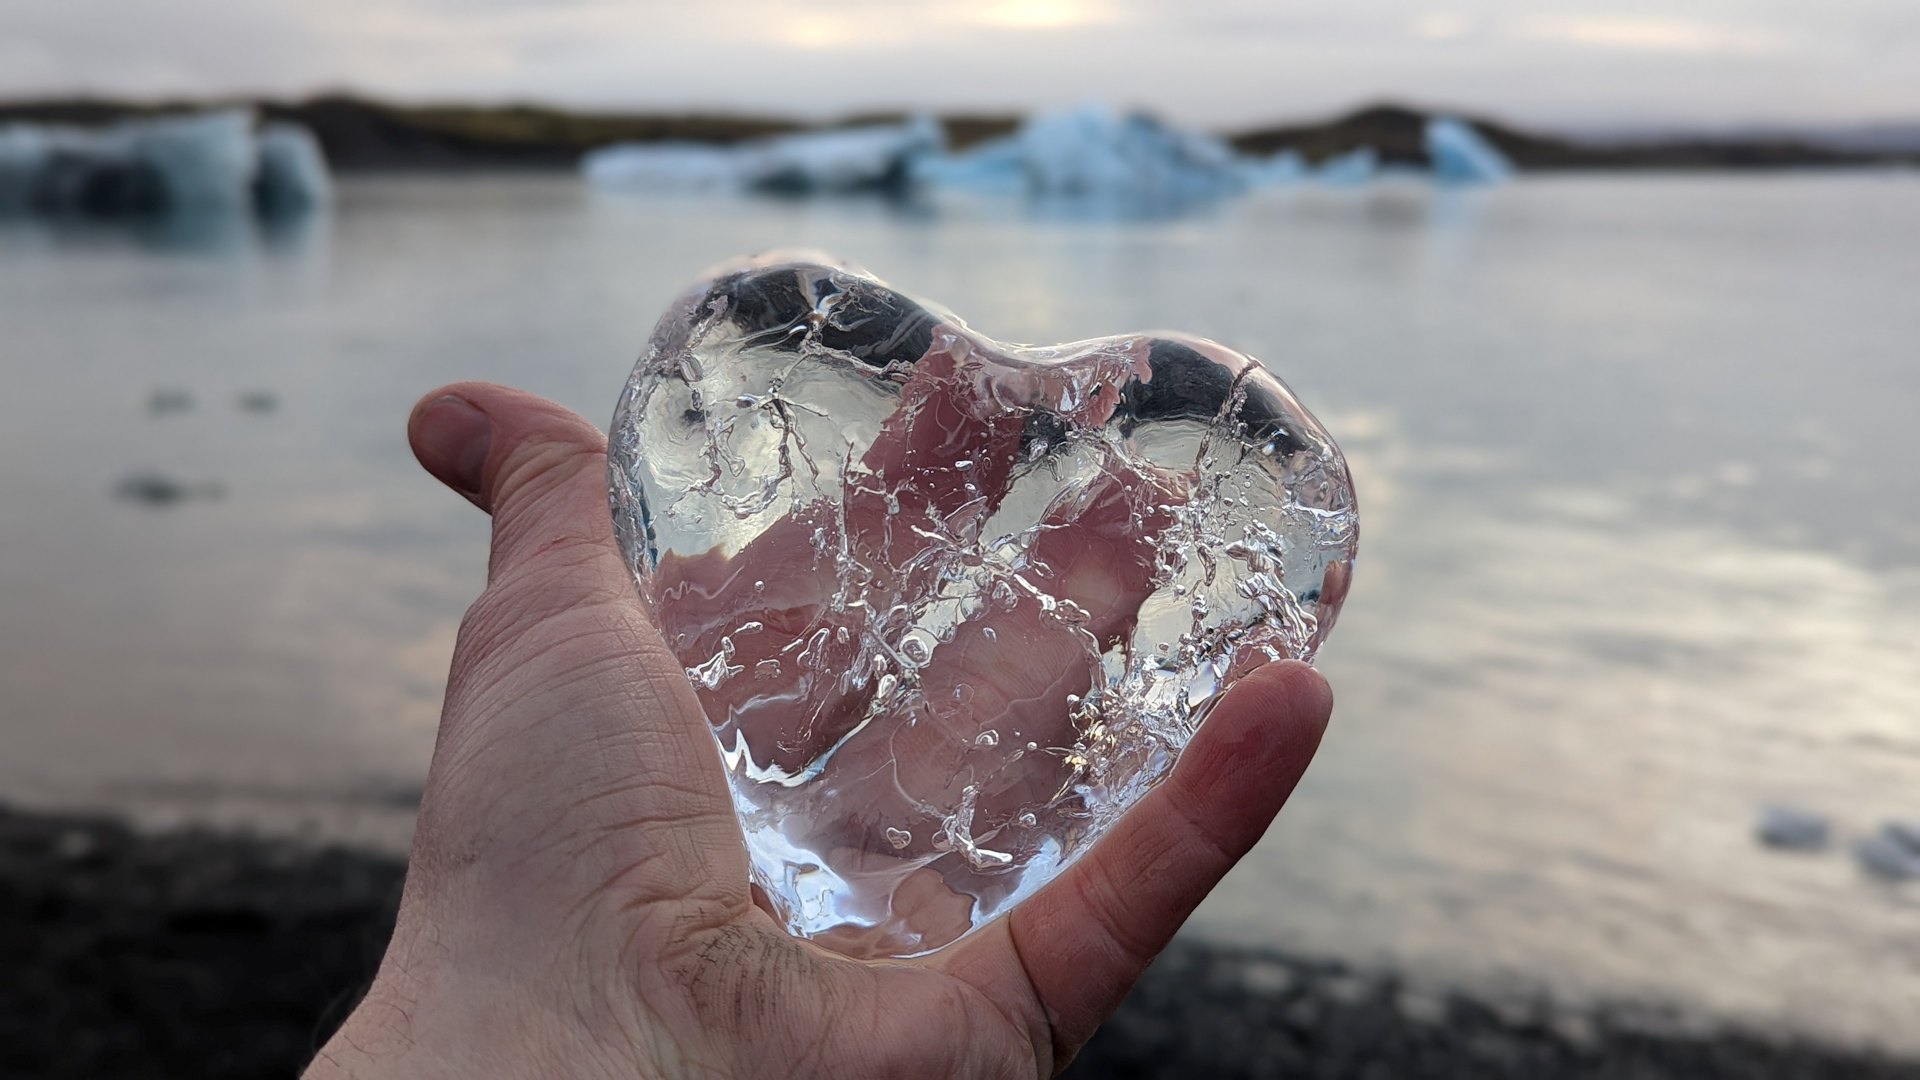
1792, 828
1889, 855
1905, 833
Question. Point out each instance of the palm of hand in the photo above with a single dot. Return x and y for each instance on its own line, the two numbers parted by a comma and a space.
578, 903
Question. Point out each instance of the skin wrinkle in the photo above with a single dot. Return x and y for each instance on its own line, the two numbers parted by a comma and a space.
676, 802
1216, 852
684, 861
543, 679
593, 1009
581, 585
1047, 1050
664, 1002
482, 739
503, 619
655, 889
1101, 899
1193, 845
628, 788
538, 469
515, 555
598, 894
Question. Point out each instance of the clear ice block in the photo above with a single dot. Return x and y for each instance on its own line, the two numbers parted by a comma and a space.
952, 606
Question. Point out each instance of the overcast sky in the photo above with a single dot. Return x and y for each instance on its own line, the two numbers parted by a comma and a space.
1220, 63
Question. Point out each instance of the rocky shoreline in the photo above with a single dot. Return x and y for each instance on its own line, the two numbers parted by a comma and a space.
199, 954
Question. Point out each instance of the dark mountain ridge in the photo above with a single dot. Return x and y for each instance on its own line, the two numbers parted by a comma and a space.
363, 135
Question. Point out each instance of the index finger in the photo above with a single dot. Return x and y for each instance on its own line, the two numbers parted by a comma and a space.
1081, 941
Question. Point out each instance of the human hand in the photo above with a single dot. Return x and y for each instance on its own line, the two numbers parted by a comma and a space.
578, 904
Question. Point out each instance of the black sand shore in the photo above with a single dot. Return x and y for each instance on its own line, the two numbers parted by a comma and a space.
204, 955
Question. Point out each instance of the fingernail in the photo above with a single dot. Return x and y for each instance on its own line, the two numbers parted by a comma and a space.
453, 439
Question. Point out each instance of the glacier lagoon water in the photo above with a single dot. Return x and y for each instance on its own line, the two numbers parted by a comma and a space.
1643, 535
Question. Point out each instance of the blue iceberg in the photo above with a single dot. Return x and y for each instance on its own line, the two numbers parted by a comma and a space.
875, 157
1276, 170
1461, 155
669, 166
292, 176
1089, 157
210, 162
995, 167
202, 162
1093, 151
878, 157
24, 150
1093, 154
1355, 167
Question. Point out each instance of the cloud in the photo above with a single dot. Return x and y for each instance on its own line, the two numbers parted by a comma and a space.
1217, 62
1658, 35
1442, 25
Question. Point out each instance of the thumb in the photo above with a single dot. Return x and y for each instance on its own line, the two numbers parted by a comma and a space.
530, 463
566, 715
1087, 935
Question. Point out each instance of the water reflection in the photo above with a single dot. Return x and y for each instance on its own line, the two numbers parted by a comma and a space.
215, 232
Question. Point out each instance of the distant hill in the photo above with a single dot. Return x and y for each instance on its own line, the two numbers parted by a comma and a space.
1396, 132
363, 135
360, 134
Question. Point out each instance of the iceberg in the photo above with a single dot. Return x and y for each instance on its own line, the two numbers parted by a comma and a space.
874, 157
1891, 854
204, 161
995, 167
1792, 828
194, 163
52, 167
1352, 168
673, 166
1461, 155
1089, 156
292, 176
1285, 167
24, 151
1091, 153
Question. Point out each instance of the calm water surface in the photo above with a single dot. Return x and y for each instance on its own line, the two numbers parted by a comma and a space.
1636, 458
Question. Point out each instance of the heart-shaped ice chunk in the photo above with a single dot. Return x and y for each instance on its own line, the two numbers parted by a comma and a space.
953, 606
